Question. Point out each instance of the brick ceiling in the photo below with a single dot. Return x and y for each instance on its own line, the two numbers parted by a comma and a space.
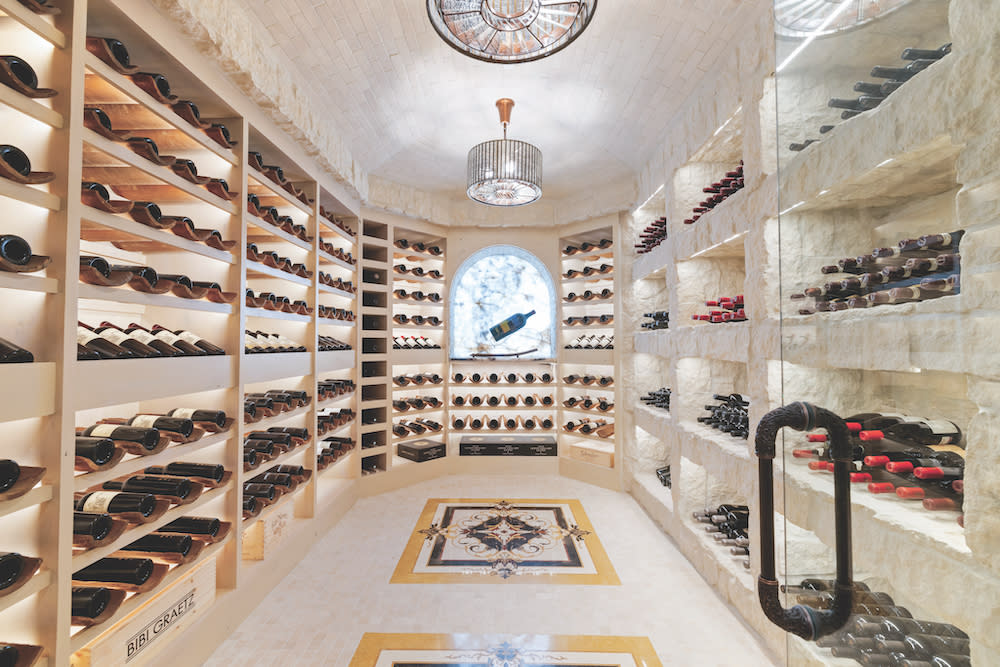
413, 107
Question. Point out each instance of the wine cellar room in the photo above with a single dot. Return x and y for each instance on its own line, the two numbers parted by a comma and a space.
572, 332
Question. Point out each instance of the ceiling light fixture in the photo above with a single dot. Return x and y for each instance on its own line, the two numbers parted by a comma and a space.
505, 172
510, 31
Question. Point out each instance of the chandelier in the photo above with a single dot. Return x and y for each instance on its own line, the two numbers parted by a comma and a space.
510, 31
505, 172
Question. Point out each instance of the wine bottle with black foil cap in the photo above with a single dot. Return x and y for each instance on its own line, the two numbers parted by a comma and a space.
89, 602
161, 543
98, 450
93, 525
193, 525
132, 571
13, 354
216, 417
134, 439
179, 425
172, 487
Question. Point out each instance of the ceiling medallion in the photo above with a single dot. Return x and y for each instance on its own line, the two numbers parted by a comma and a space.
505, 172
510, 31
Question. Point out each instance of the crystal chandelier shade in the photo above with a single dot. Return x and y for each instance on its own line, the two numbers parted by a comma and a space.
510, 31
504, 172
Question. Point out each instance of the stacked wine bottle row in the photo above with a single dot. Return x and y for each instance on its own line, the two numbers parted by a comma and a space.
110, 341
268, 487
98, 271
658, 398
498, 378
731, 415
102, 446
262, 446
915, 269
882, 632
492, 401
510, 423
652, 236
728, 309
259, 342
659, 319
601, 428
258, 405
728, 524
592, 342
873, 93
913, 457
720, 191
414, 343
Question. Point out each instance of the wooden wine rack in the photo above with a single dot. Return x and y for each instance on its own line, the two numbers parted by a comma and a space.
47, 399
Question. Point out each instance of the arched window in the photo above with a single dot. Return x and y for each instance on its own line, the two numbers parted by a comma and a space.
492, 285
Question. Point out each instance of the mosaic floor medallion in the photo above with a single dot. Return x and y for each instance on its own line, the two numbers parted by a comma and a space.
461, 540
422, 650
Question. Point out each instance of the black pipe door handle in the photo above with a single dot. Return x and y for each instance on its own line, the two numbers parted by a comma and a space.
802, 620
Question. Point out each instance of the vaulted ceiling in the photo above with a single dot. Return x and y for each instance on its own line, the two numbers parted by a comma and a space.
412, 107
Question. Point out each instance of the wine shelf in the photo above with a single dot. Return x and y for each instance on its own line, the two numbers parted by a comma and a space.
152, 171
34, 22
262, 186
127, 295
91, 556
85, 636
573, 435
30, 107
258, 270
589, 357
326, 289
336, 230
719, 232
36, 390
406, 277
596, 278
275, 366
264, 232
264, 423
129, 230
128, 466
123, 91
722, 342
653, 263
37, 496
164, 377
654, 421
277, 315
327, 258
342, 466
28, 283
328, 362
39, 582
285, 498
330, 402
29, 195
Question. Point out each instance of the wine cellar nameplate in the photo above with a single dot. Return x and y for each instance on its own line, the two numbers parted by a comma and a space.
136, 639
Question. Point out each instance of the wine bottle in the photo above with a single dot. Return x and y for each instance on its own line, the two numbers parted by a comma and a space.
171, 339
192, 525
458, 423
98, 450
252, 507
12, 354
133, 571
174, 487
15, 249
280, 480
157, 543
94, 342
923, 646
197, 341
510, 325
184, 427
265, 491
144, 336
11, 567
95, 526
133, 439
197, 415
924, 432
133, 507
123, 340
87, 602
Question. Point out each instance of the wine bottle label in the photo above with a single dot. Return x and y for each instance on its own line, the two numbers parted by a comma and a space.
143, 336
83, 336
98, 502
183, 413
145, 421
167, 336
189, 337
103, 430
115, 336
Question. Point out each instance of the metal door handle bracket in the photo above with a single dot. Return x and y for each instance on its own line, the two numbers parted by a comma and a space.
802, 620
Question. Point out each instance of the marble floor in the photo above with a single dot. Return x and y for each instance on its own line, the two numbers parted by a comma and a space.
342, 588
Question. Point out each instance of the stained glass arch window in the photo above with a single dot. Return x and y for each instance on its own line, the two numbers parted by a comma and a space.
491, 285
